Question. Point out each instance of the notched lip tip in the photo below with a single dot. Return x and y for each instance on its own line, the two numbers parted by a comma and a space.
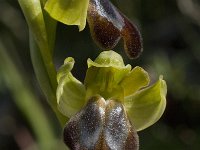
133, 57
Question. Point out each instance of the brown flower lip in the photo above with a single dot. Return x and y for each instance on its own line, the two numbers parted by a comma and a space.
101, 125
108, 25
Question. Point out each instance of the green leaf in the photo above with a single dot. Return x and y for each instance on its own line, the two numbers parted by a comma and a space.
145, 107
69, 12
70, 92
135, 80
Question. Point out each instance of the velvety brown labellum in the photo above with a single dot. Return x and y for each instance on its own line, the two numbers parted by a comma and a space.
101, 125
108, 25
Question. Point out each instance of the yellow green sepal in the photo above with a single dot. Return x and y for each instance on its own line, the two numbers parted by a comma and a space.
146, 106
69, 12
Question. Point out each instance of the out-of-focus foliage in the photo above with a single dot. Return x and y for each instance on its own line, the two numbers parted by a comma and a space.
171, 36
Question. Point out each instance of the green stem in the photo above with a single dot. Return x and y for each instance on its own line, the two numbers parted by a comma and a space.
42, 37
42, 77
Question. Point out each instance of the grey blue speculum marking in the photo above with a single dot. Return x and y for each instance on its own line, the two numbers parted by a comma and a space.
101, 125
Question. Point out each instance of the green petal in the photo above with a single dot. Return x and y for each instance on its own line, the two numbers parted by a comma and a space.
70, 92
145, 107
135, 80
69, 12
66, 68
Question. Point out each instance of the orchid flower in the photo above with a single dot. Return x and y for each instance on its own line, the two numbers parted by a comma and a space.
109, 87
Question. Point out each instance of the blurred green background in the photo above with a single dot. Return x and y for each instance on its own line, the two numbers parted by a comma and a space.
171, 36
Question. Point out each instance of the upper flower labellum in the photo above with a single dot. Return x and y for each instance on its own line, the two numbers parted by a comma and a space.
108, 25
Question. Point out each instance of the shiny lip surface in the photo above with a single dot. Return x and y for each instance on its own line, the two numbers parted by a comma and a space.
108, 25
101, 125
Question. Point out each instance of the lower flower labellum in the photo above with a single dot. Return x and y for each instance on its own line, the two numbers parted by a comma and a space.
101, 125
